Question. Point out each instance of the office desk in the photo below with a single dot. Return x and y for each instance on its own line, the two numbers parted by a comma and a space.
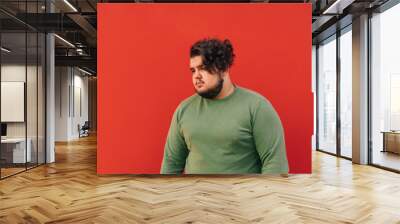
13, 150
391, 141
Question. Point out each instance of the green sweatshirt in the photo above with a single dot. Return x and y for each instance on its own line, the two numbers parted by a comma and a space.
241, 133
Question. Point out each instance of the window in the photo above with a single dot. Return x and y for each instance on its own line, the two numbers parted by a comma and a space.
385, 87
327, 95
346, 93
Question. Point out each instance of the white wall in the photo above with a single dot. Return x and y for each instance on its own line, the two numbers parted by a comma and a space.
71, 93
61, 103
80, 89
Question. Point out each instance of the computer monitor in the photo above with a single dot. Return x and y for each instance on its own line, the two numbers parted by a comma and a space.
3, 129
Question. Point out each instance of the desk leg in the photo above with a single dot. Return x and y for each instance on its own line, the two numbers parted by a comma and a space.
384, 142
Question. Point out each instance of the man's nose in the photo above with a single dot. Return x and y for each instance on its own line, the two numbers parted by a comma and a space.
197, 74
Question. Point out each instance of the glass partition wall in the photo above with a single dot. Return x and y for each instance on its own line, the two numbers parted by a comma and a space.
334, 94
22, 88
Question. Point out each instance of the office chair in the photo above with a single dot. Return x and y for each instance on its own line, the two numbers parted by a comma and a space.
84, 130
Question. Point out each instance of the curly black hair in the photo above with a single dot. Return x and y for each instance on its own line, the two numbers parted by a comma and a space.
217, 55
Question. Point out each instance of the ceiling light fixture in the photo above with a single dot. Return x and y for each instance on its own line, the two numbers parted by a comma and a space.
64, 40
84, 71
337, 7
70, 5
5, 50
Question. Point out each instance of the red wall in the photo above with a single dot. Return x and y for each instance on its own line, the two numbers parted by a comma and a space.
143, 73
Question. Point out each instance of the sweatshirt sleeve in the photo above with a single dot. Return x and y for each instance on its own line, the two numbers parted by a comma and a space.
269, 139
175, 150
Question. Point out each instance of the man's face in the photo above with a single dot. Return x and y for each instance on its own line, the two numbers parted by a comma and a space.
206, 84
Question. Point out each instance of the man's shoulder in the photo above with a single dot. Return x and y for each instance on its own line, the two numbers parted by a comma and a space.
184, 104
252, 96
258, 103
255, 101
189, 100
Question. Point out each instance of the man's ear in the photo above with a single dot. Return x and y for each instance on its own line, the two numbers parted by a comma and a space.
225, 73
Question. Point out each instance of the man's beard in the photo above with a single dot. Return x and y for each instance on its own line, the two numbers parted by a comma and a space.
212, 92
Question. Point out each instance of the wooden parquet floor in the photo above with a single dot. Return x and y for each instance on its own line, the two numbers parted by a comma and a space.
70, 191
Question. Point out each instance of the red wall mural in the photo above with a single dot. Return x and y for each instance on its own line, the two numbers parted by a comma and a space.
143, 73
